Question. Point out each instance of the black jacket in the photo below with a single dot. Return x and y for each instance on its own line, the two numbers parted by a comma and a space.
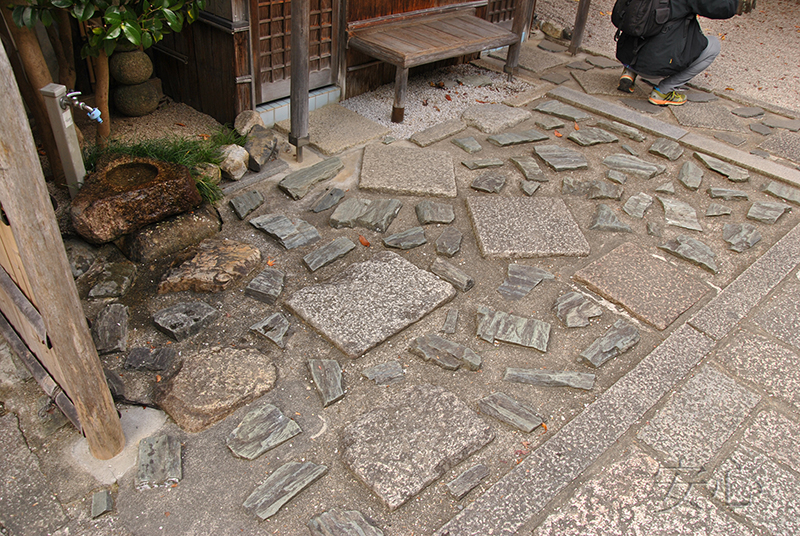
679, 43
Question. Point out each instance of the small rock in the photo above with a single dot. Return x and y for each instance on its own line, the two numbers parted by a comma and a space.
450, 322
290, 234
564, 111
760, 128
266, 286
469, 144
110, 329
215, 266
262, 146
504, 408
491, 182
549, 122
783, 191
483, 163
669, 149
780, 122
508, 139
740, 236
452, 275
246, 203
690, 175
561, 158
234, 161
336, 522
184, 319
653, 229
715, 209
281, 486
666, 188
588, 136
748, 112
680, 214
575, 309
605, 219
521, 279
154, 359
246, 120
262, 429
550, 378
618, 339
449, 242
275, 328
529, 168
467, 481
115, 280
727, 137
767, 212
574, 186
726, 194
633, 166
734, 173
529, 187
159, 462
328, 200
692, 250
447, 354
101, 503
637, 205
616, 176
328, 253
298, 183
430, 212
327, 376
501, 326
600, 189
385, 373
375, 215
438, 132
623, 130
408, 239
208, 172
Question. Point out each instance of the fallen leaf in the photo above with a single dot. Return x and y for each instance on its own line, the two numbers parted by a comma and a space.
425, 102
180, 124
364, 241
448, 97
166, 514
158, 378
203, 136
544, 426
557, 133
728, 89
576, 126
480, 101
270, 261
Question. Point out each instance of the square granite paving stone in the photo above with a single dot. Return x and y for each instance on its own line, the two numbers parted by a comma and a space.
410, 441
783, 144
525, 227
707, 115
262, 429
699, 418
494, 118
438, 132
407, 171
651, 289
368, 302
773, 433
781, 317
281, 486
535, 59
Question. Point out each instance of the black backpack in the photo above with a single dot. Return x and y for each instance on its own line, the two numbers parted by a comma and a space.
640, 18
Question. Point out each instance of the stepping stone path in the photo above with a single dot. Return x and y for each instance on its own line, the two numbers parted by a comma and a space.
760, 128
327, 376
521, 279
618, 339
114, 281
767, 212
447, 354
281, 486
734, 173
376, 215
430, 212
385, 373
561, 158
491, 182
637, 205
452, 275
690, 249
216, 265
505, 409
337, 522
690, 175
183, 320
529, 168
740, 236
262, 429
605, 219
494, 118
575, 309
467, 481
328, 253
680, 214
290, 234
159, 462
588, 136
549, 378
298, 183
407, 171
449, 242
505, 327
275, 328
266, 286
328, 200
633, 165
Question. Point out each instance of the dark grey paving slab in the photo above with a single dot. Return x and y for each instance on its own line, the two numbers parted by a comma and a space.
369, 302
158, 462
246, 203
550, 46
450, 322
637, 205
692, 250
529, 187
336, 522
602, 62
262, 429
633, 165
289, 233
605, 219
505, 409
501, 326
781, 122
409, 442
588, 136
385, 373
643, 106
185, 319
701, 97
407, 171
727, 194
680, 214
690, 175
740, 236
328, 253
376, 214
669, 149
561, 158
760, 128
507, 139
494, 118
521, 279
327, 376
783, 191
773, 433
599, 189
266, 286
281, 486
298, 183
618, 339
715, 209
548, 122
603, 82
328, 200
445, 353
408, 239
575, 309
525, 227
631, 150
666, 188
574, 186
550, 378
114, 281
564, 111
580, 65
734, 173
483, 163
438, 132
274, 327
712, 116
110, 329
767, 212
102, 502
616, 176
154, 359
783, 144
652, 290
430, 212
529, 168
732, 139
449, 242
490, 181
555, 77
623, 130
467, 481
468, 144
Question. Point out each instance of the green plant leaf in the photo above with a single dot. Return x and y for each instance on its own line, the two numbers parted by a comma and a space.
16, 16
114, 31
62, 4
46, 17
112, 15
172, 19
109, 46
83, 12
133, 33
29, 17
147, 40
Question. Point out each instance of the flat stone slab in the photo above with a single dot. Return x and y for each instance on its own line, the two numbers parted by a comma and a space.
588, 136
783, 191
642, 105
775, 121
535, 59
328, 200
266, 286
407, 443
185, 319
408, 239
680, 214
561, 158
490, 182
760, 128
529, 187
767, 212
549, 122
734, 173
483, 163
521, 279
452, 274
600, 189
376, 214
385, 373
289, 233
637, 205
328, 253
529, 168
154, 359
447, 354
262, 429
526, 227
450, 322
298, 183
281, 486
651, 289
666, 188
669, 149
618, 339
102, 502
715, 209
327, 376
215, 266
713, 116
467, 481
564, 111
692, 250
596, 82
449, 242
575, 309
246, 203
275, 328
622, 129
213, 383
336, 522
430, 212
159, 462
507, 139
727, 194
501, 326
783, 144
114, 281
633, 165
605, 219
438, 132
782, 316
468, 144
369, 302
733, 139
494, 118
550, 378
407, 171
333, 129
602, 62
580, 65
110, 329
740, 236
505, 409
690, 175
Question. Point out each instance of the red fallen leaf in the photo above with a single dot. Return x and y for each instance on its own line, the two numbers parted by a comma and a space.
180, 124
436, 108
544, 426
557, 133
166, 514
270, 261
158, 378
448, 97
364, 241
728, 89
204, 137
577, 127
480, 101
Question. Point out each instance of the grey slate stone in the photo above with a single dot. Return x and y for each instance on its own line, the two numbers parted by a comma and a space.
727, 137
467, 481
101, 503
185, 319
449, 242
767, 212
159, 462
262, 146
550, 46
561, 158
504, 408
289, 233
348, 212
783, 191
740, 236
622, 129
602, 62
507, 139
653, 228
550, 378
408, 239
452, 274
636, 205
262, 429
375, 215
430, 212
298, 183
155, 359
666, 188
447, 354
336, 522
81, 256
555, 77
490, 181
690, 249
588, 136
575, 309
633, 165
450, 322
680, 214
521, 279
690, 175
780, 122
266, 286
114, 281
575, 186
505, 327
727, 194
701, 97
385, 373
580, 65
549, 122
328, 200
669, 149
494, 118
564, 111
327, 376
110, 329
760, 128
715, 209
483, 163
605, 219
529, 187
631, 150
281, 486
599, 189
438, 132
617, 340
734, 173
246, 203
275, 328
616, 176
469, 144
328, 253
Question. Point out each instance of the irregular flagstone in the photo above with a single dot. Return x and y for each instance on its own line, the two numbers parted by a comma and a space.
261, 146
561, 158
483, 163
529, 187
491, 182
734, 173
521, 279
690, 175
636, 205
505, 327
102, 502
289, 233
155, 359
212, 383
430, 212
408, 239
616, 176
216, 265
328, 200
266, 286
618, 339
336, 522
455, 276
780, 122
183, 320
760, 128
740, 236
407, 171
467, 481
246, 203
470, 144
623, 130
669, 149
281, 486
600, 189
504, 408
494, 118
507, 139
450, 322
701, 96
680, 214
447, 354
385, 373
653, 229
726, 194
575, 186
767, 212
580, 65
550, 46
588, 136
564, 111
262, 429
783, 191
275, 328
369, 302
748, 112
605, 219
327, 376
114, 281
348, 212
375, 215
438, 132
328, 253
402, 446
159, 462
529, 168
666, 188
298, 183
727, 137
449, 242
550, 378
575, 309
549, 122
692, 250
631, 150
715, 209
602, 62
110, 329
633, 165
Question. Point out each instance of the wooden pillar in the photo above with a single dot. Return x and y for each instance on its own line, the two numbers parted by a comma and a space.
298, 102
26, 204
400, 90
520, 26
580, 25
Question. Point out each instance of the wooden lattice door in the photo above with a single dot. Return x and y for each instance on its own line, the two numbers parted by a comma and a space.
271, 29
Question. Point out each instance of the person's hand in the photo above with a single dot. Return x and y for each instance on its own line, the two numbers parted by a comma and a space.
745, 6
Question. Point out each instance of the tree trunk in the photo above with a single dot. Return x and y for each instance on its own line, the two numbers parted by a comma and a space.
62, 46
101, 98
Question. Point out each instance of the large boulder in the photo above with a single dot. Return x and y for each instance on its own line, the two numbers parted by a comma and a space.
130, 68
136, 100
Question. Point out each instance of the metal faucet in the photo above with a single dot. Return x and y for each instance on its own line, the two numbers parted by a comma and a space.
71, 99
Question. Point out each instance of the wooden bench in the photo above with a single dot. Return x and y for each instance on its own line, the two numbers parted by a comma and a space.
424, 37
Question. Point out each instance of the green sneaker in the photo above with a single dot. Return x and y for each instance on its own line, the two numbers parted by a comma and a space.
626, 81
672, 98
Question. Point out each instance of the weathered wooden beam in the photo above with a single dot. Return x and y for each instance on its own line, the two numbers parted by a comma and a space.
580, 25
520, 25
298, 102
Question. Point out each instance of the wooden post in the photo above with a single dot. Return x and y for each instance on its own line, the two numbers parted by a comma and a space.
400, 90
580, 25
26, 205
298, 102
520, 26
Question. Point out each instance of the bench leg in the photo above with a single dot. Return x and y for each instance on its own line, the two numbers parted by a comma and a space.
400, 89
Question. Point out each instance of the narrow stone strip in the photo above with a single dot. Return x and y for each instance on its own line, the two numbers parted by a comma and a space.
281, 486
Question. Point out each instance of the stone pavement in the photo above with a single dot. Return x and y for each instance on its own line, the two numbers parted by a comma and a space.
572, 314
